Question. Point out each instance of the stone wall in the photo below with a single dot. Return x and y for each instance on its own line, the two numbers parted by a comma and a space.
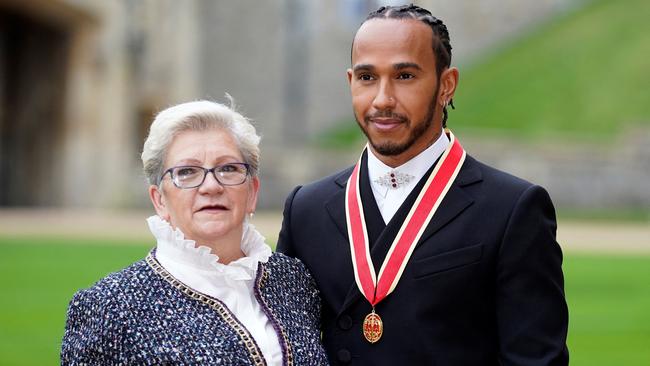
611, 174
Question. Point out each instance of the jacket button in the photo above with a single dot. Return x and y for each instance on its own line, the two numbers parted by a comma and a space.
345, 322
344, 356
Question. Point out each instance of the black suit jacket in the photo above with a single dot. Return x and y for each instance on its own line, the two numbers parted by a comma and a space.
484, 285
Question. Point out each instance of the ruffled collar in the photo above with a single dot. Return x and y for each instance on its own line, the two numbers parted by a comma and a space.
172, 245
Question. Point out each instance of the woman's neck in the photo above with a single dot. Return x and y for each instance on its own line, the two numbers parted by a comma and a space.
227, 248
226, 257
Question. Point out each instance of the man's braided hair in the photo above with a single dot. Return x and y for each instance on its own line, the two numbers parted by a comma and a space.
441, 43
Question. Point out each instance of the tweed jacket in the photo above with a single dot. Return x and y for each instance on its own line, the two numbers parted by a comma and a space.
142, 315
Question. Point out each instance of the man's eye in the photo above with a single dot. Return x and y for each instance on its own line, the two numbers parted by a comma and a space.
405, 76
365, 77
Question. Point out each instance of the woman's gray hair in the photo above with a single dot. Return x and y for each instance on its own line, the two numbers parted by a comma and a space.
200, 115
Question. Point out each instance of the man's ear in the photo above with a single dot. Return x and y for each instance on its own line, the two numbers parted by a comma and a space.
350, 74
448, 84
156, 196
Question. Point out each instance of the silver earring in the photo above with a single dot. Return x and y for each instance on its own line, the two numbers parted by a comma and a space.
251, 214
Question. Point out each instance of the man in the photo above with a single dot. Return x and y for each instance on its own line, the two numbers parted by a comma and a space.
425, 256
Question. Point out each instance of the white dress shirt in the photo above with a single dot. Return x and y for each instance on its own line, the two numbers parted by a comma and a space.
233, 284
389, 199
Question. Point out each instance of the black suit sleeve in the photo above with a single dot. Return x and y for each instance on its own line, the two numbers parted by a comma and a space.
285, 240
532, 315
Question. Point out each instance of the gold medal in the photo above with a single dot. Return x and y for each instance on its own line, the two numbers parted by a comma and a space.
373, 327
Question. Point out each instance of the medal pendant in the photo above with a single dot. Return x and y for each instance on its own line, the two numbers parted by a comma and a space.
373, 327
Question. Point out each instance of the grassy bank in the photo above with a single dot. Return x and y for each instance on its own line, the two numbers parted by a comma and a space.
583, 74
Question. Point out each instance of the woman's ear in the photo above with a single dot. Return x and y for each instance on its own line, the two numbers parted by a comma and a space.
156, 196
252, 197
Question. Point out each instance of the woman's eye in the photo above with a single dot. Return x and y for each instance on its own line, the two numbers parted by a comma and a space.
229, 168
186, 172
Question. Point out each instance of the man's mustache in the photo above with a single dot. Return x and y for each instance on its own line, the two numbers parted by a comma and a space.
386, 114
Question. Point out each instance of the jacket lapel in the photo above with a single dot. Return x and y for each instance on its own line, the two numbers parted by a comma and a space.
456, 200
453, 204
335, 205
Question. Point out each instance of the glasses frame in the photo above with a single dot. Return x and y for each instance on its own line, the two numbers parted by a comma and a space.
212, 170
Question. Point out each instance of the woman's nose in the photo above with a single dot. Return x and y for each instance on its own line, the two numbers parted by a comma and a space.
210, 184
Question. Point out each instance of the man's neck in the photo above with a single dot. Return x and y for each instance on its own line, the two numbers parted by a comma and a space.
394, 161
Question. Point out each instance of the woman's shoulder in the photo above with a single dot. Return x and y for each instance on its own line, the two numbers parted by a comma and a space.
284, 269
282, 262
97, 316
116, 284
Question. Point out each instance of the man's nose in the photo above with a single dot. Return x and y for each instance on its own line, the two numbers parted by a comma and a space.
385, 98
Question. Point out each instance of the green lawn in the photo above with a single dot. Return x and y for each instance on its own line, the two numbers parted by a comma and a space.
609, 305
39, 278
609, 299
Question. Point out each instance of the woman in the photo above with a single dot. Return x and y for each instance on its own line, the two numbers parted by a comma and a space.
211, 292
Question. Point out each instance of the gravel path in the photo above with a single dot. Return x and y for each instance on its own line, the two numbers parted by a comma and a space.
574, 236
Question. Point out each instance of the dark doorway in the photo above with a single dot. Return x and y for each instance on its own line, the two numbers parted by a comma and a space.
32, 95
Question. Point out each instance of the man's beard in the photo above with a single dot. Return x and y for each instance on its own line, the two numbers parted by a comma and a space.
392, 148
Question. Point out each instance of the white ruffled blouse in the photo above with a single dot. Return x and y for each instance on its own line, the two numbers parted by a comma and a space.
199, 269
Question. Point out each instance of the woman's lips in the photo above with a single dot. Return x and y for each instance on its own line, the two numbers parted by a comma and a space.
213, 209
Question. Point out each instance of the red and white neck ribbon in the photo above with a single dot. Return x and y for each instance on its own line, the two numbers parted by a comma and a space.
374, 288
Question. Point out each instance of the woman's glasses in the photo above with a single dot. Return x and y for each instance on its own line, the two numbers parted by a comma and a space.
190, 176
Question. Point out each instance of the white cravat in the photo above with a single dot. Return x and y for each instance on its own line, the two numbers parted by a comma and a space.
233, 284
389, 199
